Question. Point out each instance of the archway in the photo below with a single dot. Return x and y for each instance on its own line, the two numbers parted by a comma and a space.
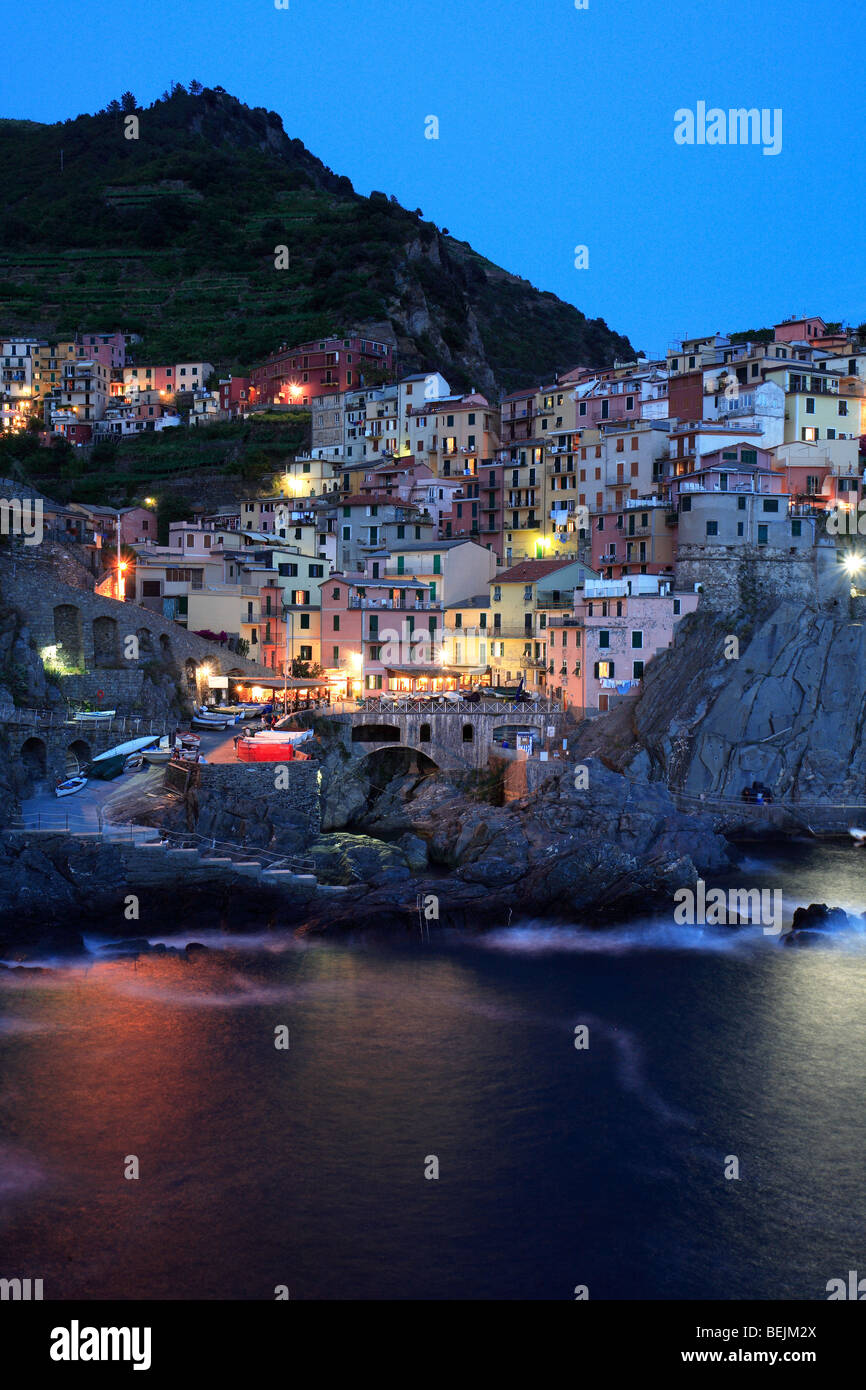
104, 641
191, 670
34, 758
382, 765
376, 733
164, 645
69, 635
78, 755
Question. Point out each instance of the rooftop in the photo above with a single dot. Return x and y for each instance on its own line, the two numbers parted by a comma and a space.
530, 570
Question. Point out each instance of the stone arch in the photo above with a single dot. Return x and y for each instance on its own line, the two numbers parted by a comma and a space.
468, 733
69, 634
145, 641
191, 672
164, 645
34, 757
384, 763
376, 733
104, 640
78, 755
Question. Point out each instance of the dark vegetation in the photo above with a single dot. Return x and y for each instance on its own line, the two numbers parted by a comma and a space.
173, 235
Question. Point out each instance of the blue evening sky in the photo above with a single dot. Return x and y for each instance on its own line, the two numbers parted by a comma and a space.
555, 129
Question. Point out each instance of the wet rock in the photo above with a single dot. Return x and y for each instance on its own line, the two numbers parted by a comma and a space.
820, 917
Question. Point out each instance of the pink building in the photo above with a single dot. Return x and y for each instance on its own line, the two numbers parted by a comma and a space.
599, 653
107, 348
380, 633
137, 525
608, 400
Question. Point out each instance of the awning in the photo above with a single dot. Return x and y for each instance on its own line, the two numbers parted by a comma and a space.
282, 683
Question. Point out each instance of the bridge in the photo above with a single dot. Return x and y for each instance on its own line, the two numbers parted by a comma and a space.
455, 735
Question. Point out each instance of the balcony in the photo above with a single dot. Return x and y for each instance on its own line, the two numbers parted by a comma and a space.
522, 634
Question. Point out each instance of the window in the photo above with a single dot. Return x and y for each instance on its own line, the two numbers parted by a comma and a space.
796, 527
762, 535
637, 640
810, 405
637, 670
740, 528
316, 571
843, 407
771, 504
336, 651
712, 528
677, 606
604, 670
336, 622
335, 593
603, 637
685, 504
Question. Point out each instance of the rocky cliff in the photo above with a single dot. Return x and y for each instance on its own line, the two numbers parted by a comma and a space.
786, 707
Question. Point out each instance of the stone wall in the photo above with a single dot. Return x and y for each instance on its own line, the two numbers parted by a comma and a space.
92, 632
743, 578
241, 803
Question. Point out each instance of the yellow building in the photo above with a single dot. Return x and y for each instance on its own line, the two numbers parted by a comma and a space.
50, 358
309, 476
819, 405
466, 639
517, 596
451, 435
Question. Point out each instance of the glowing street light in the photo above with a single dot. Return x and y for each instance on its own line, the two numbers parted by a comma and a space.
853, 564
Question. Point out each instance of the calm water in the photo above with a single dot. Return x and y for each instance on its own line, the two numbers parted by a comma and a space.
557, 1167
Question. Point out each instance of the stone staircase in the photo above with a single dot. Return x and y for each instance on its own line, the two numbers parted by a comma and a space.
158, 857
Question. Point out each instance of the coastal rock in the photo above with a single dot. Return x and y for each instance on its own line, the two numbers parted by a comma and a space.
820, 917
348, 859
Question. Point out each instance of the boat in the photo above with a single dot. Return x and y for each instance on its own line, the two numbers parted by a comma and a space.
111, 763
252, 750
155, 756
134, 763
858, 836
70, 786
200, 722
279, 735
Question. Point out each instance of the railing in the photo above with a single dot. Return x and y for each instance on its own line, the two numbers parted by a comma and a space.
456, 704
58, 719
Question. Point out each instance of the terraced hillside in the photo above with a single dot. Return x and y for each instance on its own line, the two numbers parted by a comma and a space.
173, 235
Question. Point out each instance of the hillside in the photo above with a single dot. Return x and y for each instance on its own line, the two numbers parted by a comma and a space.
173, 234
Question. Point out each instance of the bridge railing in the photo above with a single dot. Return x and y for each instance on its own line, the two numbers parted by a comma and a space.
409, 705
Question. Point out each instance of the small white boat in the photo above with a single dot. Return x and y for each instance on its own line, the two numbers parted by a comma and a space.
280, 735
858, 836
211, 721
70, 786
91, 716
154, 756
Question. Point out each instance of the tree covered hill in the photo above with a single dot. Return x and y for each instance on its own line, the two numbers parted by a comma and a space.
173, 235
